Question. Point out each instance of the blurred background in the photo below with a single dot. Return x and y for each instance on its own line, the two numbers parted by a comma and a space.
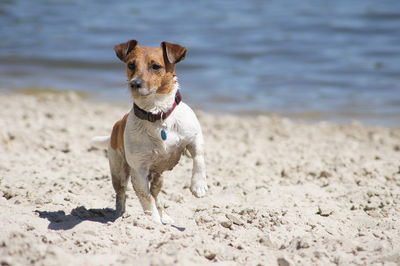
314, 60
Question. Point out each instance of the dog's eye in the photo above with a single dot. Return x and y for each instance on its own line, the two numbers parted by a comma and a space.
156, 67
131, 66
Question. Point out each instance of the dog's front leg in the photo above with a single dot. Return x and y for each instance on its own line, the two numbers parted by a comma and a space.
155, 187
198, 183
140, 184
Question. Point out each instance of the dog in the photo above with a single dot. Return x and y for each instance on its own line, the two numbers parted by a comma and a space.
159, 128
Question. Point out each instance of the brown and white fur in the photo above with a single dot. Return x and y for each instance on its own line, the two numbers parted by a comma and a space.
135, 148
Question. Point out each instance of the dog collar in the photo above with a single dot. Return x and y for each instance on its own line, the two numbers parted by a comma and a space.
144, 115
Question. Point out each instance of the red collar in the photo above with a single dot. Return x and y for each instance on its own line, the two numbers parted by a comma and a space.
144, 115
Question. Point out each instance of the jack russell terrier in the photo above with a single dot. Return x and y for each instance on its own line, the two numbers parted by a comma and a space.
151, 138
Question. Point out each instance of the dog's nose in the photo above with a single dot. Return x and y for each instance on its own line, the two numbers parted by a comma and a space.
136, 83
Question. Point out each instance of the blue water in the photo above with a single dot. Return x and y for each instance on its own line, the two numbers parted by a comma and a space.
319, 60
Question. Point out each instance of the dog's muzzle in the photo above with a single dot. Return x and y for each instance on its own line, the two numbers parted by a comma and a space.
137, 85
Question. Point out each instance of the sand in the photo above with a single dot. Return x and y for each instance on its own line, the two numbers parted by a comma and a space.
280, 192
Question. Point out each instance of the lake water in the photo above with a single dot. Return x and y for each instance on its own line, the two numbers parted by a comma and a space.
317, 60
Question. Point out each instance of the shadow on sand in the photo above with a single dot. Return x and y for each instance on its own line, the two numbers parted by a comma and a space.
61, 221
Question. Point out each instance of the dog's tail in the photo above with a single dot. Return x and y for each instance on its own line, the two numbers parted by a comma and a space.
101, 141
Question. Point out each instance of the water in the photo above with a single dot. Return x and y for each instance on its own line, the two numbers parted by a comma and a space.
319, 60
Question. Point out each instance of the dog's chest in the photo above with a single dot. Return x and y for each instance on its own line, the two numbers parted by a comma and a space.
166, 153
146, 148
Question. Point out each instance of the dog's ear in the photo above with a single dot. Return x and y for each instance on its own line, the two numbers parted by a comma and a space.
123, 49
173, 52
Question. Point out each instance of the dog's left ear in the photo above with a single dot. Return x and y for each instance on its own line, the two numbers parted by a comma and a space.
174, 52
123, 49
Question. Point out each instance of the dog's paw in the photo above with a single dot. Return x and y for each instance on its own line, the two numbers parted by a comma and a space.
157, 219
154, 216
119, 212
199, 188
166, 219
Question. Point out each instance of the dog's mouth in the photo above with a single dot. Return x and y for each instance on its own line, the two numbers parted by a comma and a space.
143, 91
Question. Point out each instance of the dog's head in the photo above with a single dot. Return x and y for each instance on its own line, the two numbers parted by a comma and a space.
150, 69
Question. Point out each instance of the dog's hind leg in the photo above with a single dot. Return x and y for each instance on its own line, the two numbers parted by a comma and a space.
156, 183
119, 173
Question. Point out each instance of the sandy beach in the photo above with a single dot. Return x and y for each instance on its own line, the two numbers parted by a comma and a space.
280, 192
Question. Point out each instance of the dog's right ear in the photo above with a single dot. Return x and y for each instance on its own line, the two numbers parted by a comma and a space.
122, 50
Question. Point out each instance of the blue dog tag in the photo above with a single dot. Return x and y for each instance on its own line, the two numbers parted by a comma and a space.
163, 134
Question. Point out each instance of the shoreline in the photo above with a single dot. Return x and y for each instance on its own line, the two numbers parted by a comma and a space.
303, 194
309, 117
